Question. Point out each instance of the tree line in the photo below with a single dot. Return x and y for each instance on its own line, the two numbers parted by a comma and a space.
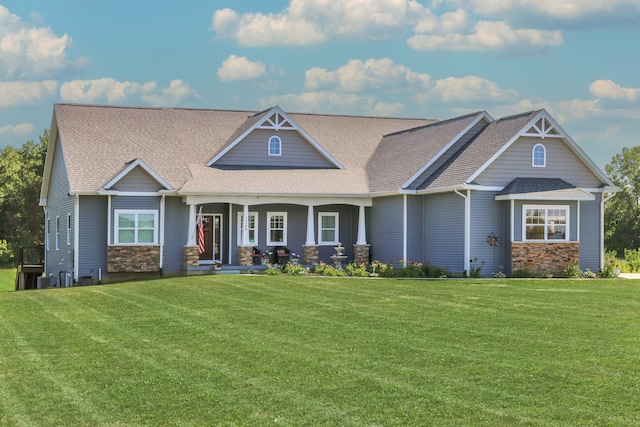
22, 219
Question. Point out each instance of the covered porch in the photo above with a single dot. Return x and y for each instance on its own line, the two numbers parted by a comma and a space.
241, 231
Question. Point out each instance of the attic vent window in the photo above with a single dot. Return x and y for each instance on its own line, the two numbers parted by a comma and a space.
275, 146
539, 156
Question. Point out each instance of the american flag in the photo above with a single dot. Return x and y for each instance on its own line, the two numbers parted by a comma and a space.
200, 232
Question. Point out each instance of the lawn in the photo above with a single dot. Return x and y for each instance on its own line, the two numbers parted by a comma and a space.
7, 280
275, 350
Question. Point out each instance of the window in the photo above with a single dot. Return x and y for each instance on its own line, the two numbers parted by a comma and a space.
539, 156
275, 146
277, 228
328, 228
57, 233
253, 227
136, 227
68, 229
546, 222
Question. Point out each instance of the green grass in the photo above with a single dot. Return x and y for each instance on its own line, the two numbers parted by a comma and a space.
7, 280
274, 350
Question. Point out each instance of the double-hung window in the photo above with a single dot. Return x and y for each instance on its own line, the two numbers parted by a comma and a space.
136, 227
276, 228
328, 223
545, 223
253, 228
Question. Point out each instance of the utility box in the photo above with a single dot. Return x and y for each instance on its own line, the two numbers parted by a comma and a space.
43, 282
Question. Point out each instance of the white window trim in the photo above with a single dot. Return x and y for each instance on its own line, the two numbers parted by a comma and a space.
545, 207
336, 215
279, 146
116, 228
544, 157
57, 233
48, 238
68, 229
284, 234
255, 228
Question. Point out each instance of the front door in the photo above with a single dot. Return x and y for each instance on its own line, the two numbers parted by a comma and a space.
212, 225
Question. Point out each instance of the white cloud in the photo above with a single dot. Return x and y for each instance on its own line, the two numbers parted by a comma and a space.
487, 36
26, 93
592, 12
113, 91
385, 109
30, 52
236, 68
607, 89
308, 22
177, 93
21, 129
321, 102
372, 74
465, 89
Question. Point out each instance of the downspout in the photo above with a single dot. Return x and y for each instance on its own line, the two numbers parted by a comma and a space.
230, 243
162, 210
404, 232
602, 202
76, 240
46, 230
467, 228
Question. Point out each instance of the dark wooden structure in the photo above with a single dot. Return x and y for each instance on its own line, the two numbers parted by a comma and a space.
30, 267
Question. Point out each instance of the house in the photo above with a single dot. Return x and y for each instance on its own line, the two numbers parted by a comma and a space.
123, 190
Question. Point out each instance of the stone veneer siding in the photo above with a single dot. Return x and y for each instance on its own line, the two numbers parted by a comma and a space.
310, 254
191, 256
245, 255
361, 254
542, 258
133, 259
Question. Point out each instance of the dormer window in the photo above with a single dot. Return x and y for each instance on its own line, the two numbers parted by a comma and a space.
275, 146
539, 156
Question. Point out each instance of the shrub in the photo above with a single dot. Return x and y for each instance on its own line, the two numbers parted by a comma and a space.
272, 270
474, 268
429, 270
294, 269
522, 273
632, 257
380, 269
572, 269
323, 269
356, 270
609, 269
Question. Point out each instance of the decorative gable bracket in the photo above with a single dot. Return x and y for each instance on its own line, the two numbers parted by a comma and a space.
276, 121
543, 128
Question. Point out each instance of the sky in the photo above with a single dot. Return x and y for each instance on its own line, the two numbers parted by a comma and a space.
578, 59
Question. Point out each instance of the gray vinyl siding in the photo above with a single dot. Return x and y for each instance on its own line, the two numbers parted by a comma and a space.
297, 228
386, 229
590, 234
92, 236
175, 233
487, 216
59, 204
561, 162
138, 180
415, 228
296, 152
444, 231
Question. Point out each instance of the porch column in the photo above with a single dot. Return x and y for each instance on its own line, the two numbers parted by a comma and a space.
191, 254
245, 251
245, 226
310, 255
361, 249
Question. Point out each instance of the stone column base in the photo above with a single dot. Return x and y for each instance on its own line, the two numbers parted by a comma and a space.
310, 254
361, 254
245, 255
191, 256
